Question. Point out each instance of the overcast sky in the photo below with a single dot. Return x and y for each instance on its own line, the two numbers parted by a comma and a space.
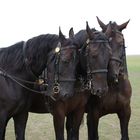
23, 19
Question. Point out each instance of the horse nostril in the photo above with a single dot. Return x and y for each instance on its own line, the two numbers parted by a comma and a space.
99, 91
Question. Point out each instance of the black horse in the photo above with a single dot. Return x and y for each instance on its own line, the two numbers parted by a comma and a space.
95, 54
118, 98
20, 67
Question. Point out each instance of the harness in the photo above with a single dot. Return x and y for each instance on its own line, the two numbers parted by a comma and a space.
113, 58
57, 80
116, 58
38, 81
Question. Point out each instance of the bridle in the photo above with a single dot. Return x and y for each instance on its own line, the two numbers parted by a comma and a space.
92, 72
22, 82
57, 80
113, 58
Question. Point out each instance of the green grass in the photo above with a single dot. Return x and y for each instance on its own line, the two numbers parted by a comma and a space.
40, 127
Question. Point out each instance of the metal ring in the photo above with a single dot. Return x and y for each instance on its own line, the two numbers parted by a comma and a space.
56, 88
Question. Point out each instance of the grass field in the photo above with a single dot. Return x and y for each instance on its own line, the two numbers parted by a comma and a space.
40, 127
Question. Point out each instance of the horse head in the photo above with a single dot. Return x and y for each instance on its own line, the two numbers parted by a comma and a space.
118, 47
61, 67
98, 57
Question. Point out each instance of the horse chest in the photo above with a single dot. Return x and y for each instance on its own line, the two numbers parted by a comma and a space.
109, 103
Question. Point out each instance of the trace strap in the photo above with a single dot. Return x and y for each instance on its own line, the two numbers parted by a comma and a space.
32, 90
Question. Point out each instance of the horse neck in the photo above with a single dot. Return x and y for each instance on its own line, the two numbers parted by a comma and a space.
11, 58
82, 67
40, 49
80, 39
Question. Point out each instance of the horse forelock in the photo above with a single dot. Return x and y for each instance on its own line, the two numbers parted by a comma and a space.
100, 36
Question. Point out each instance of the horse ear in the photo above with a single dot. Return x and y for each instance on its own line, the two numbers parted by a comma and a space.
71, 33
123, 26
102, 25
108, 31
61, 36
89, 31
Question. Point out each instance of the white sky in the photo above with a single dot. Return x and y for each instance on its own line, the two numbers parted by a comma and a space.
23, 19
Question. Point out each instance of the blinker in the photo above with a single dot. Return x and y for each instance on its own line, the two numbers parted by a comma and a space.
57, 49
87, 41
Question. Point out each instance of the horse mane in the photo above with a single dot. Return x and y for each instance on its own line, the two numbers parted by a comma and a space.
80, 40
12, 57
81, 37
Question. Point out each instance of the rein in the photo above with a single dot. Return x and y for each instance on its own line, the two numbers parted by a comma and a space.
15, 79
20, 81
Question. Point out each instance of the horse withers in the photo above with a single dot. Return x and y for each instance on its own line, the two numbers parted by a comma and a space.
117, 100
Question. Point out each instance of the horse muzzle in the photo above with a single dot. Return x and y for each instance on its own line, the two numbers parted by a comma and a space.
99, 92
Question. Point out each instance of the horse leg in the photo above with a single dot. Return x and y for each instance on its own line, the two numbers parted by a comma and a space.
73, 124
3, 123
92, 124
69, 126
58, 120
124, 117
20, 125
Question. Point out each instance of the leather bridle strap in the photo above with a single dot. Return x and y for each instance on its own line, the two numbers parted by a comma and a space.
67, 80
99, 71
99, 41
116, 59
